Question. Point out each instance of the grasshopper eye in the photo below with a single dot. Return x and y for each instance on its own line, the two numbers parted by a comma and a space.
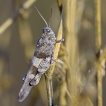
48, 30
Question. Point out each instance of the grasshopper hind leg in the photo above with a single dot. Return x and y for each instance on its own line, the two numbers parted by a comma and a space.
35, 80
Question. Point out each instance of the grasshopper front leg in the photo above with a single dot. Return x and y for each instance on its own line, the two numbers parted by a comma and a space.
61, 40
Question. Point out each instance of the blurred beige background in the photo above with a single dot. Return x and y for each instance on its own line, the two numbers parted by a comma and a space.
18, 42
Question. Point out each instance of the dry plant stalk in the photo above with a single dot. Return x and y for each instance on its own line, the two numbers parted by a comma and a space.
100, 65
48, 74
72, 49
62, 101
60, 73
98, 47
79, 14
10, 20
98, 24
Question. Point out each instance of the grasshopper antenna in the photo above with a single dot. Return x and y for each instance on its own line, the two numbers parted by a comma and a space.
41, 16
50, 17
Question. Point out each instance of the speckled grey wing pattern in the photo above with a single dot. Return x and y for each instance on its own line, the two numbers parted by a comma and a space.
31, 78
43, 57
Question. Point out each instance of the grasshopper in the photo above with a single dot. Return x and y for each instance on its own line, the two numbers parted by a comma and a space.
42, 59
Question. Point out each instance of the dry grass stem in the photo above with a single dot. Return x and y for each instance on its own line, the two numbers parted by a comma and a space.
10, 20
98, 24
79, 14
100, 65
62, 100
98, 47
60, 73
72, 49
48, 74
